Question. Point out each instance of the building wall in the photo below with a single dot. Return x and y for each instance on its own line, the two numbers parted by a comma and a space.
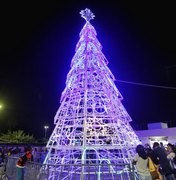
165, 135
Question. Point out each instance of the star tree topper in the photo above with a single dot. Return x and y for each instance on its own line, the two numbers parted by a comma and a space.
87, 14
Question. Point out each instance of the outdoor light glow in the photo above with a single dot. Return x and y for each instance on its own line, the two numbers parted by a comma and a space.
91, 122
1, 106
46, 127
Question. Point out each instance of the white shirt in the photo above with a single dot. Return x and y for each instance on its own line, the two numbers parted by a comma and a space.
142, 165
171, 155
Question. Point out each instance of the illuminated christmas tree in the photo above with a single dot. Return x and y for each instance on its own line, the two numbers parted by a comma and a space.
91, 124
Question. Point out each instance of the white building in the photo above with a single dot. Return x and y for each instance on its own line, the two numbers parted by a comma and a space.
157, 132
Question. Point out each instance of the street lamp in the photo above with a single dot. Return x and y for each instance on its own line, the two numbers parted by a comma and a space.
46, 128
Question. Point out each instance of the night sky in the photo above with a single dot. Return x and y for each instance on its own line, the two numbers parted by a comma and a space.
38, 41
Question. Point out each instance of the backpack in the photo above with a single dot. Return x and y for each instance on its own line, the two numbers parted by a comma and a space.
22, 160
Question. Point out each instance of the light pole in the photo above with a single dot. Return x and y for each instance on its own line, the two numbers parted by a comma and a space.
46, 128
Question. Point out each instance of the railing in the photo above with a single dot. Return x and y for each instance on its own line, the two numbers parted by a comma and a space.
37, 171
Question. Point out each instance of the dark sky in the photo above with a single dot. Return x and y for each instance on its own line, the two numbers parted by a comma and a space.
38, 41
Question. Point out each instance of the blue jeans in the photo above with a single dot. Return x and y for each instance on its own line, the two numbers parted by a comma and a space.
20, 173
169, 177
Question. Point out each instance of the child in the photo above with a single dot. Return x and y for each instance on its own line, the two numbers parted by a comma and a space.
21, 163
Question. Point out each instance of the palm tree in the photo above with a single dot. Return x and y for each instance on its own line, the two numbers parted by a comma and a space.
16, 137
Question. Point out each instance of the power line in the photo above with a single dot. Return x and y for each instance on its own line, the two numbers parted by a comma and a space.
149, 85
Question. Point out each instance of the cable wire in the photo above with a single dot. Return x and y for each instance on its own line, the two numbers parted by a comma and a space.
149, 85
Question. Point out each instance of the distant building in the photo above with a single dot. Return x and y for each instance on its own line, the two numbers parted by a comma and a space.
157, 132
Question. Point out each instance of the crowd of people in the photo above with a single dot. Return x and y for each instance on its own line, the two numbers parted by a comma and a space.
152, 163
38, 153
157, 162
23, 155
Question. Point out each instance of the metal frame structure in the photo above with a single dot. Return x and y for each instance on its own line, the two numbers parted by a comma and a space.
91, 124
34, 170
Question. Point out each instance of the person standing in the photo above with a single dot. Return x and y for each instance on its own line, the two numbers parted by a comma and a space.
43, 155
155, 164
170, 151
171, 156
141, 162
165, 167
22, 161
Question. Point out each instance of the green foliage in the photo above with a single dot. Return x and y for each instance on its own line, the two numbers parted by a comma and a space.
16, 137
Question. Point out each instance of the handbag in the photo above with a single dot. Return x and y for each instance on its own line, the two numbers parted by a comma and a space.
153, 169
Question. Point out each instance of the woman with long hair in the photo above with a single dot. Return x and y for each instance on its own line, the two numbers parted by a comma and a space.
141, 162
